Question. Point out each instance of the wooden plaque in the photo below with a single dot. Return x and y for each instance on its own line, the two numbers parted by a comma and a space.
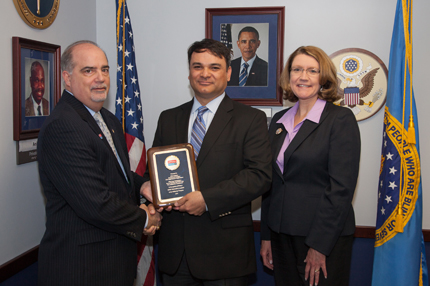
173, 173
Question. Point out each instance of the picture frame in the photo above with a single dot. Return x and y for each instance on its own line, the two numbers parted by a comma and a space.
36, 69
225, 25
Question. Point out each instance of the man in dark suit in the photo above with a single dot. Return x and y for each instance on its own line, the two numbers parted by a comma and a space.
208, 237
35, 104
93, 218
248, 70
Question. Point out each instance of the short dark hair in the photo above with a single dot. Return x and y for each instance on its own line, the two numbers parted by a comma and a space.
327, 75
216, 48
250, 30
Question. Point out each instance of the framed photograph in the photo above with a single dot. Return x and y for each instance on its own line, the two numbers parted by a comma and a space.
256, 39
36, 85
362, 79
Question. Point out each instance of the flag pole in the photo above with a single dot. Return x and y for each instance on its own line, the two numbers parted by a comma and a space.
123, 67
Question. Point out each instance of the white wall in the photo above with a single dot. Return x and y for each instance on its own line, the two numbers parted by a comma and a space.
163, 30
22, 209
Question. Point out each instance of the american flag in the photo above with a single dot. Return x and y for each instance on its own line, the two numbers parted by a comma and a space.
226, 35
128, 109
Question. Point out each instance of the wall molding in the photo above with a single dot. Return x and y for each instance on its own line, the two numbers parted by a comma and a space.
19, 263
29, 257
360, 231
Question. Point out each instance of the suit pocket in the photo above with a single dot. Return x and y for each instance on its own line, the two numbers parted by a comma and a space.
236, 220
94, 235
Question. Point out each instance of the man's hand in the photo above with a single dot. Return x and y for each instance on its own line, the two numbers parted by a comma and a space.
192, 203
146, 190
154, 219
266, 254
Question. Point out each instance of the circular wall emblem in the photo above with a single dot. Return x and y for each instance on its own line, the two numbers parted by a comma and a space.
362, 81
351, 65
38, 14
172, 162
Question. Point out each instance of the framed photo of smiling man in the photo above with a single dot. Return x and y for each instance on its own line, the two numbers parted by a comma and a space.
36, 85
255, 37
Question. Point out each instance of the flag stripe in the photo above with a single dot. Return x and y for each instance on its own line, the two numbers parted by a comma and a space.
128, 109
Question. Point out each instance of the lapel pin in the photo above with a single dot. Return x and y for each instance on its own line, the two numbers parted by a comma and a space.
113, 131
278, 131
101, 137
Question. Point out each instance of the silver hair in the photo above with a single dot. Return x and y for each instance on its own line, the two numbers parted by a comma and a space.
67, 63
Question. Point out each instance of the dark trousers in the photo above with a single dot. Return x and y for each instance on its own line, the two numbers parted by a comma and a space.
289, 253
183, 277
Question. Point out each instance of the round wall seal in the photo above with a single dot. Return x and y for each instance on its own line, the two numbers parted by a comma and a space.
38, 14
362, 81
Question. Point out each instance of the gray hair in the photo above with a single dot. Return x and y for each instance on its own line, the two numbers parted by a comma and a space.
67, 63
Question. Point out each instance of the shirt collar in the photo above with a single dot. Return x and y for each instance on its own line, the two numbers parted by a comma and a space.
212, 105
313, 115
250, 62
92, 112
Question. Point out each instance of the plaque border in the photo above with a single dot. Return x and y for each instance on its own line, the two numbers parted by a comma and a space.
152, 167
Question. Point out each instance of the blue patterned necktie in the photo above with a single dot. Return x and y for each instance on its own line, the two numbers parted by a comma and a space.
199, 131
243, 75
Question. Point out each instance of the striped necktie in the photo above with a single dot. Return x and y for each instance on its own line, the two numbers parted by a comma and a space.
199, 131
243, 75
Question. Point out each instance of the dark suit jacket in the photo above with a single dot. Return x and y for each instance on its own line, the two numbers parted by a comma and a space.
312, 198
234, 167
92, 217
257, 74
29, 109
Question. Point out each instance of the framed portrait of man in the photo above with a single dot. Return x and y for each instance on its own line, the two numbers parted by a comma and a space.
36, 95
36, 85
255, 37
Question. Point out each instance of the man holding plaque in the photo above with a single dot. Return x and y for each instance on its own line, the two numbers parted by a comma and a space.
208, 237
93, 218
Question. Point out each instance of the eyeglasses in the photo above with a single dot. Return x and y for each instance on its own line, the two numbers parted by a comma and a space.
309, 72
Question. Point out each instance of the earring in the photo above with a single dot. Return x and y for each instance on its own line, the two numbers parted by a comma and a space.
321, 89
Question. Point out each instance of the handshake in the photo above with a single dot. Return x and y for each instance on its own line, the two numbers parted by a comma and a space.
154, 219
192, 203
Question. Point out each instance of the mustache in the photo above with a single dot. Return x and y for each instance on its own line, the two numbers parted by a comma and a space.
99, 86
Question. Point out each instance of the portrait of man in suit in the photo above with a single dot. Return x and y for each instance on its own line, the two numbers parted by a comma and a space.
249, 69
208, 236
36, 104
94, 218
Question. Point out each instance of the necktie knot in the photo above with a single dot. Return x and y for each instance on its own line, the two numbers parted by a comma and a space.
201, 111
